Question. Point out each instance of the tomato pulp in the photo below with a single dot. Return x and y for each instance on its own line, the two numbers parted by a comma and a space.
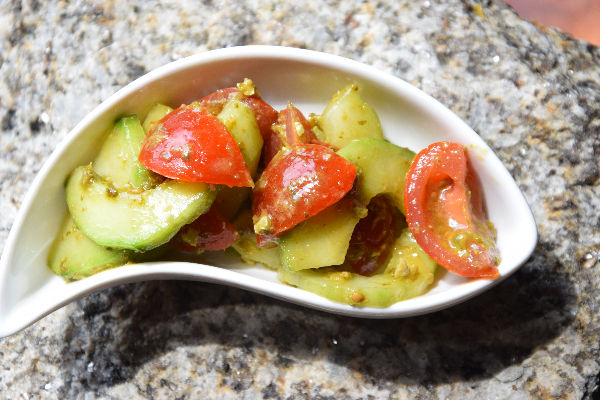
445, 212
291, 129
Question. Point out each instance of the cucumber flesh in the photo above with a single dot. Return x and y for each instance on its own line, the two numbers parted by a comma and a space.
240, 121
134, 220
156, 113
347, 117
381, 168
118, 157
321, 240
408, 273
247, 247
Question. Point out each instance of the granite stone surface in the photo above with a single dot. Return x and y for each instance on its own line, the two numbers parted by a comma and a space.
532, 93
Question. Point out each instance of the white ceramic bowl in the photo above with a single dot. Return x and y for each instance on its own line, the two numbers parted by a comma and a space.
410, 118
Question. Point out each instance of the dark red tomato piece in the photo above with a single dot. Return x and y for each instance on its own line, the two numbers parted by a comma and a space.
210, 231
297, 128
445, 213
373, 237
265, 115
190, 144
215, 101
297, 184
292, 128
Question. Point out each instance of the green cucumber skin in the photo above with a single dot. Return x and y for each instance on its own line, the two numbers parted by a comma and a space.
381, 168
408, 273
133, 220
117, 160
74, 256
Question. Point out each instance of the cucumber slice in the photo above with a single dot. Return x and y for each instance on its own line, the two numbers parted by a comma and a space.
135, 220
247, 247
408, 273
118, 157
74, 256
381, 168
347, 117
250, 252
241, 123
321, 240
156, 113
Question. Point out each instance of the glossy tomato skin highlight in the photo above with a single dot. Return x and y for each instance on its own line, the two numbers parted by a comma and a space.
297, 184
190, 144
445, 213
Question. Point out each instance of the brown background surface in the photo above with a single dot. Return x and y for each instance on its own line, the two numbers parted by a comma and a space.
578, 17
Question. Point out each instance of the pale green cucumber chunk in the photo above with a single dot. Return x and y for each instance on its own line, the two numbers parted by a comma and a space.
381, 168
347, 117
132, 219
321, 240
240, 121
247, 247
74, 256
409, 273
156, 113
117, 160
250, 252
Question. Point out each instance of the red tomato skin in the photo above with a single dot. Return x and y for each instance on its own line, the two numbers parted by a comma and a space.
373, 237
291, 118
297, 184
265, 115
291, 129
210, 231
192, 145
445, 213
215, 101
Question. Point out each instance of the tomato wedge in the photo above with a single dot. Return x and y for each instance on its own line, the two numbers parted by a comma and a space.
292, 128
190, 144
265, 115
445, 213
373, 237
210, 231
296, 185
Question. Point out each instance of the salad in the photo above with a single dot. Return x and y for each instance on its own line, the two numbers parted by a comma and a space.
324, 200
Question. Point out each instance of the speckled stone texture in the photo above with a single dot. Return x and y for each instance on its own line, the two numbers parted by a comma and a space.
533, 94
